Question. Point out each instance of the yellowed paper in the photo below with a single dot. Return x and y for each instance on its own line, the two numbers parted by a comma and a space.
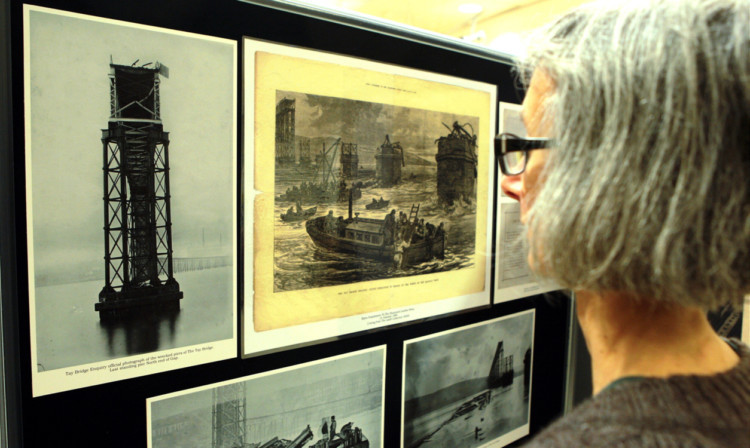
276, 304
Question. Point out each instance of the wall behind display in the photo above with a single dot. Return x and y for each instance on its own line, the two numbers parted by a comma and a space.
114, 414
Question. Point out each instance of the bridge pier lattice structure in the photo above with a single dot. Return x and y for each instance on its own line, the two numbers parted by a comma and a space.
139, 273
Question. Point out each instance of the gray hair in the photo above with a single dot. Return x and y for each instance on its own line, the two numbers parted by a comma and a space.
648, 191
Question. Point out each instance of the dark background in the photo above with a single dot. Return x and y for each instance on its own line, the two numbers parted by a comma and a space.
114, 414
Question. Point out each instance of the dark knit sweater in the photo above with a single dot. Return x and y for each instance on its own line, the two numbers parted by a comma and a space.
680, 411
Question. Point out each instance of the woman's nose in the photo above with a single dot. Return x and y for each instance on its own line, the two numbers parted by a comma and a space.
511, 186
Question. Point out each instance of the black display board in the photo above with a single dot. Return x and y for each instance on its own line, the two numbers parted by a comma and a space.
114, 414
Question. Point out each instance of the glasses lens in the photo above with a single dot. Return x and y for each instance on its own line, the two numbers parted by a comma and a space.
515, 162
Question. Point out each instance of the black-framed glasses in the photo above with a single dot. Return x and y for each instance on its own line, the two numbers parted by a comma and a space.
512, 151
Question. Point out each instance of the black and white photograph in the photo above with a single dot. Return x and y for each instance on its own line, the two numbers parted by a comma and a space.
513, 277
728, 321
131, 216
369, 187
482, 394
333, 402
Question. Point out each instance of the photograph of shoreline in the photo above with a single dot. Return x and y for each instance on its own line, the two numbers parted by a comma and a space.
482, 396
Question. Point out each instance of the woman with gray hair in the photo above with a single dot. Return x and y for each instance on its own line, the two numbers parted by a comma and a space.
634, 186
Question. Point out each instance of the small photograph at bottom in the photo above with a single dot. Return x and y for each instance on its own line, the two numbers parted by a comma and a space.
334, 402
470, 386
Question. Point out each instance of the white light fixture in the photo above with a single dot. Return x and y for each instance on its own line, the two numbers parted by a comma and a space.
470, 8
476, 37
509, 43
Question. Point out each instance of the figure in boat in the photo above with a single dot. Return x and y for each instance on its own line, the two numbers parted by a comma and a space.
297, 213
406, 240
389, 227
349, 436
376, 204
321, 193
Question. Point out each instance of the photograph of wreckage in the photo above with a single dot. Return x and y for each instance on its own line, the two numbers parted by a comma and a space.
329, 403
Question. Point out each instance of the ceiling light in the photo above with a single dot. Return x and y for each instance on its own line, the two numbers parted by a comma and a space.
470, 8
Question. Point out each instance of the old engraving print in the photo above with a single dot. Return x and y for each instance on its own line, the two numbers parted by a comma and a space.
370, 193
413, 208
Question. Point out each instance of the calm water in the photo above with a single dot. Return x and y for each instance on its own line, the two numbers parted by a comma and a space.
300, 264
507, 410
69, 332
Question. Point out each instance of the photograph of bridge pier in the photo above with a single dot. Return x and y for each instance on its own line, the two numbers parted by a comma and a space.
482, 396
330, 403
131, 214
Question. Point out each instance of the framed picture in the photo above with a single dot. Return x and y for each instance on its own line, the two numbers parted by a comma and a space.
728, 321
481, 398
130, 198
332, 402
513, 278
367, 190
